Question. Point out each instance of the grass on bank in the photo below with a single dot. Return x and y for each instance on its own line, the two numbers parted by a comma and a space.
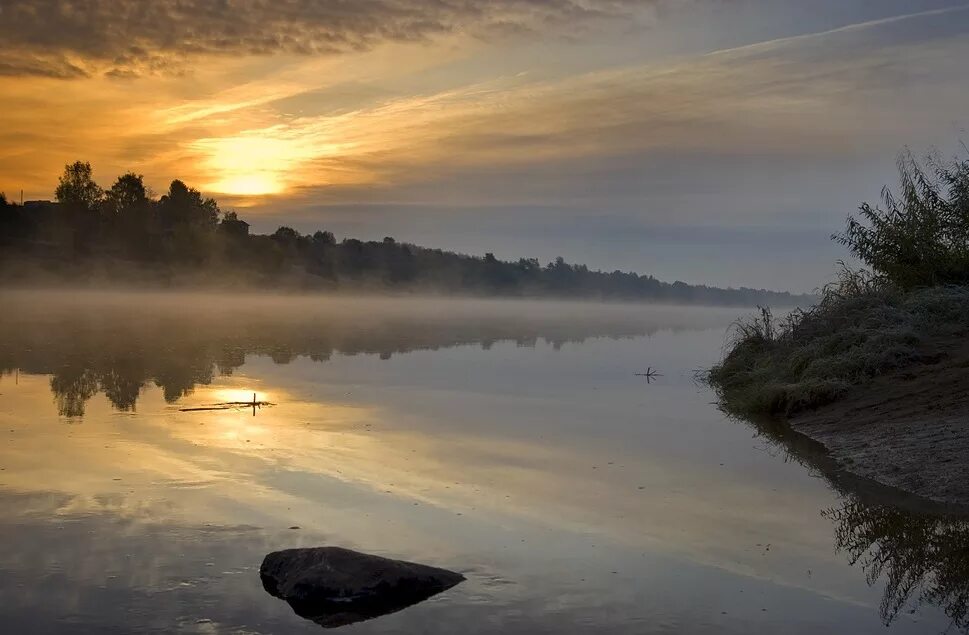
814, 356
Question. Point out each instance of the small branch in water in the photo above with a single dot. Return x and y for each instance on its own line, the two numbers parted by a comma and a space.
230, 405
227, 405
650, 374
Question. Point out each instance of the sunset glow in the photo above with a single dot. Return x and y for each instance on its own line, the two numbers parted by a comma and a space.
247, 165
572, 130
237, 395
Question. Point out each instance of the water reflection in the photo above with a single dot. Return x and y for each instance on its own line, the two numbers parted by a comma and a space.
119, 344
918, 549
923, 559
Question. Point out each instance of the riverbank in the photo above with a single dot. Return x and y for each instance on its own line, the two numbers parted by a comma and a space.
907, 429
878, 376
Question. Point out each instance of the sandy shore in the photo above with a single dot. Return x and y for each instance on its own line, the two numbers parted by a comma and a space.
908, 430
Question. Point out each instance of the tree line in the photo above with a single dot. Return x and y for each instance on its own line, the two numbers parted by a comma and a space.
126, 232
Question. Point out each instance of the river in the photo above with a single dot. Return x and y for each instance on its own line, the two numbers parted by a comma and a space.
516, 442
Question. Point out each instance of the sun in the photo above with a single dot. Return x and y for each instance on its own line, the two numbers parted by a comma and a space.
249, 165
254, 184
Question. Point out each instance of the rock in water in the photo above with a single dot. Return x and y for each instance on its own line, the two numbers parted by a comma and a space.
334, 586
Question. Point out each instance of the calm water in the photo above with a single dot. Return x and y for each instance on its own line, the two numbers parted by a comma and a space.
509, 441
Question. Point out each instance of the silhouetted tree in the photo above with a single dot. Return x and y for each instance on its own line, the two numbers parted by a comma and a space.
185, 206
189, 220
128, 196
324, 238
287, 235
76, 188
128, 213
80, 198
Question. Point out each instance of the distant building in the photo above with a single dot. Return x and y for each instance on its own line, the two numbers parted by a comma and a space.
40, 204
234, 227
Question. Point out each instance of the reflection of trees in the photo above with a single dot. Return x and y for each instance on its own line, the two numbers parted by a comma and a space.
919, 548
178, 374
121, 380
119, 350
72, 387
923, 558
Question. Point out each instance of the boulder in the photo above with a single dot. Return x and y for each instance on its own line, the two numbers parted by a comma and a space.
334, 587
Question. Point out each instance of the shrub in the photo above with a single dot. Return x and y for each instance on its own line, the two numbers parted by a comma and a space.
921, 237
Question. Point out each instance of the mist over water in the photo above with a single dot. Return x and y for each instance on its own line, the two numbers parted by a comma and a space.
117, 342
511, 441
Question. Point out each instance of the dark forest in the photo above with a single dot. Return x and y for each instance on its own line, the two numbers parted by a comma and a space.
126, 235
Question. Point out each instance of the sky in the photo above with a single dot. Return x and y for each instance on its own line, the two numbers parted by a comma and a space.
710, 141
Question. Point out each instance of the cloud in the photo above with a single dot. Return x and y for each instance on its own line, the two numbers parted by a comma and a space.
375, 129
124, 38
838, 94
